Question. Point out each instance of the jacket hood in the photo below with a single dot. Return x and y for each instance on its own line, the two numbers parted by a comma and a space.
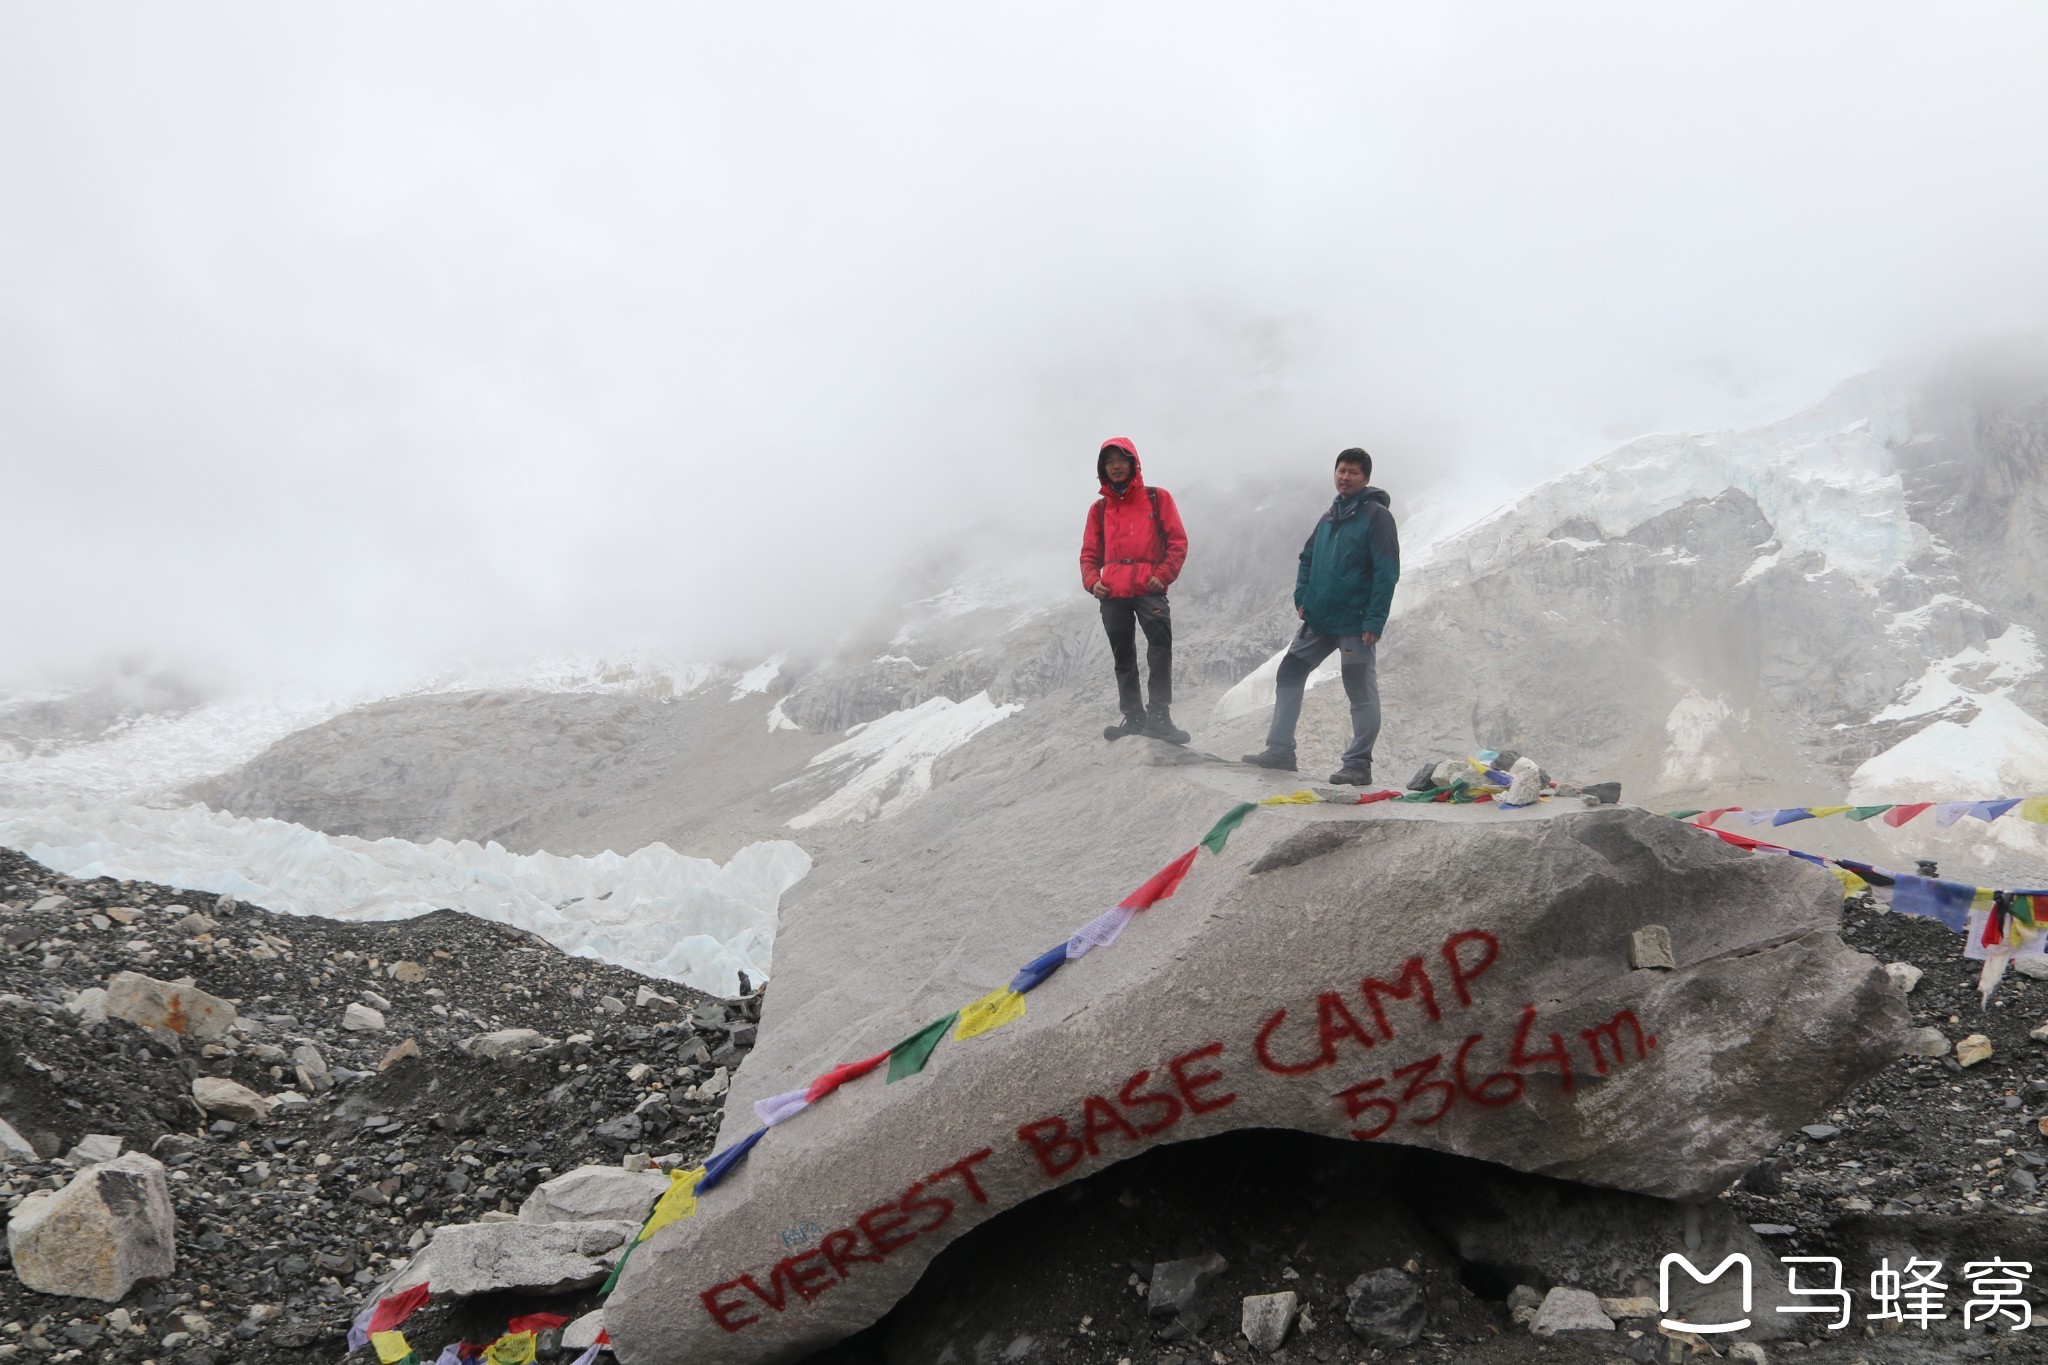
1128, 447
1340, 511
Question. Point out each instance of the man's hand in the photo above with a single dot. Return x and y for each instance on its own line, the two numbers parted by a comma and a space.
1101, 589
1369, 638
1154, 584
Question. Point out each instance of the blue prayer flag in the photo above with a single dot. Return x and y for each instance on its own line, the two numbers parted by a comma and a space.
1039, 968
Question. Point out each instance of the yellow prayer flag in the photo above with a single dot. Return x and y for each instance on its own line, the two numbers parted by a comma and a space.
391, 1346
514, 1348
992, 1011
1293, 799
1823, 812
678, 1202
1851, 883
2035, 808
1982, 900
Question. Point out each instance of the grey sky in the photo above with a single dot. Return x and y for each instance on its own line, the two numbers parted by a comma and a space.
343, 341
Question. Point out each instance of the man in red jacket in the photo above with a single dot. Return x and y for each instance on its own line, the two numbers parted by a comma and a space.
1131, 551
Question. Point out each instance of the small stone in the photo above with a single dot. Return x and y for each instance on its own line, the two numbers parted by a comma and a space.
1774, 1229
611, 1004
2033, 965
1747, 1351
49, 903
504, 1042
1570, 1310
1637, 1306
626, 1128
635, 1161
311, 1068
1904, 975
1821, 1132
407, 973
195, 924
595, 1194
408, 1048
13, 1146
374, 1000
2040, 1034
1926, 1042
2022, 1182
1525, 1296
717, 1085
1650, 946
647, 996
359, 1018
1265, 1319
226, 905
228, 1099
581, 1334
179, 1007
1973, 1049
1386, 1308
95, 1147
1175, 1283
467, 1259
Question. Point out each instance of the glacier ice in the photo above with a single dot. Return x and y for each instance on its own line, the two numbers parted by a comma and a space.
654, 910
884, 765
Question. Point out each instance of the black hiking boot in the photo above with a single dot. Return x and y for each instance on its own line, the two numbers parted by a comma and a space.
1351, 777
1129, 725
1159, 725
1280, 760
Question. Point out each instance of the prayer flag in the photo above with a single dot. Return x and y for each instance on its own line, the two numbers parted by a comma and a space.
677, 1202
1987, 811
391, 1348
1948, 812
455, 1353
788, 1104
514, 1348
1390, 794
1099, 932
1164, 883
721, 1164
1220, 832
1865, 812
385, 1315
1822, 812
841, 1074
536, 1323
1709, 817
1303, 798
1034, 972
1876, 876
1948, 902
1789, 815
908, 1057
2035, 808
1901, 813
1851, 883
589, 1357
999, 1007
1986, 939
1759, 817
1683, 814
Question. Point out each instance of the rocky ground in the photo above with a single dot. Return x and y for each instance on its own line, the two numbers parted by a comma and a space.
285, 1225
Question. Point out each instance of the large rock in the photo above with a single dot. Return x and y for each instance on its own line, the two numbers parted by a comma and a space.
148, 1003
595, 1194
1455, 979
108, 1230
13, 1146
230, 1099
534, 1258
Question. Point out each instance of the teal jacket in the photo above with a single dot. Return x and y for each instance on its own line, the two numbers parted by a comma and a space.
1345, 585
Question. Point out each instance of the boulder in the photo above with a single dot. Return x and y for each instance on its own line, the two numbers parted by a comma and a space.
228, 1099
1454, 978
1904, 975
597, 1194
1972, 1050
581, 1334
533, 1258
108, 1230
1174, 1284
148, 1003
361, 1018
13, 1146
504, 1042
95, 1147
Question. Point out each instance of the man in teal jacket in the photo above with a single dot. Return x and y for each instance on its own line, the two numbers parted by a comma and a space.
1342, 593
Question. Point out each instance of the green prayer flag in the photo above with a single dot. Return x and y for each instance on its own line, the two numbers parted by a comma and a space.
618, 1269
1432, 794
1865, 812
908, 1057
1220, 832
1684, 814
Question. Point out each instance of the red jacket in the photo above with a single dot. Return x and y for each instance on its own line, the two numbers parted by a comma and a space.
1123, 544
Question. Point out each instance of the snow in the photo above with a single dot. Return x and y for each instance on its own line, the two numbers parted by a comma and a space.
2001, 751
778, 720
1255, 690
884, 765
757, 678
2011, 658
1762, 565
1825, 478
1692, 725
654, 910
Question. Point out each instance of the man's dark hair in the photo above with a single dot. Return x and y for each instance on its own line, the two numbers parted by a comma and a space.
1356, 456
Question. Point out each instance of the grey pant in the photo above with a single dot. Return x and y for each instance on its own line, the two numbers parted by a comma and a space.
1361, 685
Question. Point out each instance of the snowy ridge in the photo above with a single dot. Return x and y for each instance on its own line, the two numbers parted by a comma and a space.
884, 765
654, 910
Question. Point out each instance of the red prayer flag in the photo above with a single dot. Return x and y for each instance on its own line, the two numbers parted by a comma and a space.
1708, 817
1164, 883
396, 1309
1899, 815
536, 1323
840, 1075
1371, 797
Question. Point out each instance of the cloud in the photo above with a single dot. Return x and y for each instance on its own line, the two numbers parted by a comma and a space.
353, 342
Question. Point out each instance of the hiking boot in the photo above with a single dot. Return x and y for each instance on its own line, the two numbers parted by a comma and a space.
1280, 760
1351, 777
1159, 725
1129, 725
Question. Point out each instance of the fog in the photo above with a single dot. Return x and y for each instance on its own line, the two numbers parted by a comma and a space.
342, 344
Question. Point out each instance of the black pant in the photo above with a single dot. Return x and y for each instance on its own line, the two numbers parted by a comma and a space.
1120, 617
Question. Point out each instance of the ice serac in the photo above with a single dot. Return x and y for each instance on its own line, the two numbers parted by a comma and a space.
1426, 976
